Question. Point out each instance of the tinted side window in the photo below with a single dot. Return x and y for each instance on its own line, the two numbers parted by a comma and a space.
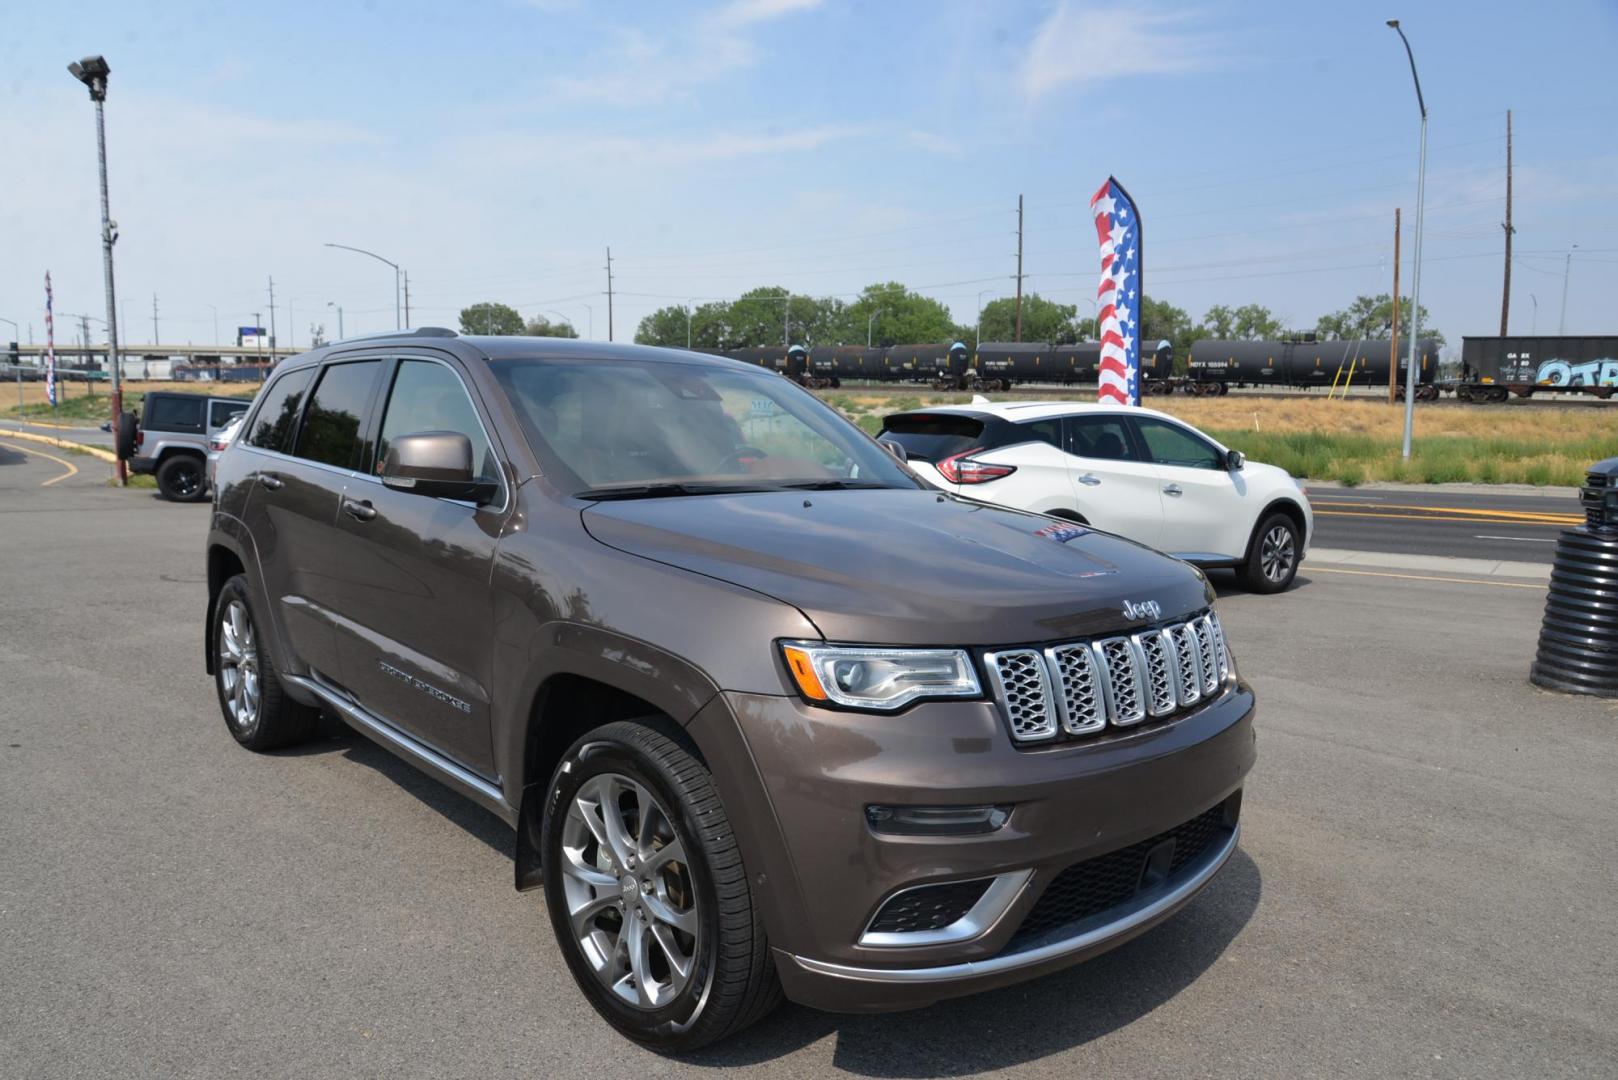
220, 412
1170, 444
276, 416
1101, 437
331, 424
1047, 431
176, 412
427, 396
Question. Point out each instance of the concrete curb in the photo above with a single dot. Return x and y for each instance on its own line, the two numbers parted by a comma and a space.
1427, 564
93, 451
1514, 490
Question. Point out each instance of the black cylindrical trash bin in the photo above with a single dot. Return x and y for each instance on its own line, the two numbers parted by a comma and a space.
1578, 641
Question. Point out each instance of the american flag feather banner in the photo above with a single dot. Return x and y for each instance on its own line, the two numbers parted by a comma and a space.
50, 342
1118, 296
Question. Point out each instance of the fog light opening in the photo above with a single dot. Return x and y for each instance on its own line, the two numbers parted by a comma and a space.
936, 820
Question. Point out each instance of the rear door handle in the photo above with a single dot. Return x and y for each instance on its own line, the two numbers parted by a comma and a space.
1090, 480
1172, 489
271, 481
359, 509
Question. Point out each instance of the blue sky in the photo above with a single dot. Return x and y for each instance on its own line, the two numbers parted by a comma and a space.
496, 149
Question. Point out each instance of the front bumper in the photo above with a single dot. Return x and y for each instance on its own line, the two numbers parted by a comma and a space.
800, 778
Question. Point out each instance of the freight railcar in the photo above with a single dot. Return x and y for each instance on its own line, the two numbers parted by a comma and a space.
1215, 365
1493, 368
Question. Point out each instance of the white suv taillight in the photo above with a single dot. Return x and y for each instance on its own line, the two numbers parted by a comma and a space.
961, 469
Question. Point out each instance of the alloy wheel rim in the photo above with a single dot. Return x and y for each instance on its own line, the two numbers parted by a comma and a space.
631, 900
238, 667
187, 480
1276, 554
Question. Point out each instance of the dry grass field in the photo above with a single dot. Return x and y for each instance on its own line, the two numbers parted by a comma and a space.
1358, 441
79, 401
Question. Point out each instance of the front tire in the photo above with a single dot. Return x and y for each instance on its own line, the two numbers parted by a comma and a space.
1272, 559
646, 891
257, 711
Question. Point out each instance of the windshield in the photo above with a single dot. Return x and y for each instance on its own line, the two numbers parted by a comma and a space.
637, 428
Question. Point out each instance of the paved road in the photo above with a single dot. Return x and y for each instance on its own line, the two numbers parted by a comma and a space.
1417, 521
91, 436
1427, 885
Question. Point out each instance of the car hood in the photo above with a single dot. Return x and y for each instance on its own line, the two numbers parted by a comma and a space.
906, 567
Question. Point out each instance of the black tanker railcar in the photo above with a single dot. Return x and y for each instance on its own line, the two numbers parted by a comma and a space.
1215, 366
1493, 368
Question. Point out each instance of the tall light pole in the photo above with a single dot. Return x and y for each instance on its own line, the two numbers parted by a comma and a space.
869, 324
1567, 271
398, 324
92, 71
339, 307
1415, 276
979, 331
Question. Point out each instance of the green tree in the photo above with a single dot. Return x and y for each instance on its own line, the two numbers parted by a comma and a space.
1160, 321
1372, 317
1254, 322
540, 326
902, 317
1042, 320
1219, 323
490, 318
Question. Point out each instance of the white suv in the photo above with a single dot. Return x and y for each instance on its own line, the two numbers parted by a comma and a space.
1135, 472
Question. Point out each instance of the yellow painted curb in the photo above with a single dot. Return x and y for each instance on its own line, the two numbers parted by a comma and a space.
93, 451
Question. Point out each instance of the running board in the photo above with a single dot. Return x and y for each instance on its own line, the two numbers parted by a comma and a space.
410, 749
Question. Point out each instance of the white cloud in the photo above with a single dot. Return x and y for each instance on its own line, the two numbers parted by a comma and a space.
746, 12
654, 69
1080, 44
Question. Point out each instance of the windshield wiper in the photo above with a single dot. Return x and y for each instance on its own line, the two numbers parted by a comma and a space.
835, 485
663, 491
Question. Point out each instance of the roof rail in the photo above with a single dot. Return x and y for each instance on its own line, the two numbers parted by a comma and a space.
420, 331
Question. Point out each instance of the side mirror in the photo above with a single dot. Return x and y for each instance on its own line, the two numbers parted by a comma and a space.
894, 448
1234, 460
437, 464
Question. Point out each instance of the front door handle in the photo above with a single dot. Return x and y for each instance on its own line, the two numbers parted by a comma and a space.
271, 481
1172, 489
1090, 480
359, 509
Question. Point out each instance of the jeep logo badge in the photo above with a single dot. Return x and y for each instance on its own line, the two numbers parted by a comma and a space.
1146, 609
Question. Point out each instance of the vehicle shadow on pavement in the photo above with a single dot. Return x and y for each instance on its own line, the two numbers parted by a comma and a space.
1003, 1028
1229, 583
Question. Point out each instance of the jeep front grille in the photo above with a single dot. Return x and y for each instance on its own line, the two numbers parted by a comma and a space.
1080, 688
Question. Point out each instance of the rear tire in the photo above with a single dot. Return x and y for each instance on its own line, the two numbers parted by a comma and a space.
1272, 557
257, 711
670, 949
182, 478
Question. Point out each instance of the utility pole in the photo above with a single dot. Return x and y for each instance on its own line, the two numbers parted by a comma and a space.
1019, 268
1393, 355
1505, 292
609, 292
92, 71
407, 298
154, 319
272, 314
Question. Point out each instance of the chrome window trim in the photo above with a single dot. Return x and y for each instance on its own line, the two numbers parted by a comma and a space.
979, 919
1142, 910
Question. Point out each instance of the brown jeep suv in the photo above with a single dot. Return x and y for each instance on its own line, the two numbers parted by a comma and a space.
767, 714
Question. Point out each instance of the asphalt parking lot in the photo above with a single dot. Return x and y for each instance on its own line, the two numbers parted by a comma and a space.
1427, 886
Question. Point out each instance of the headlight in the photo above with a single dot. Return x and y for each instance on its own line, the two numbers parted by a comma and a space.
860, 677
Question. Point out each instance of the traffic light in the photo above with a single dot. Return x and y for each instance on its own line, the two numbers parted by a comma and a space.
12, 357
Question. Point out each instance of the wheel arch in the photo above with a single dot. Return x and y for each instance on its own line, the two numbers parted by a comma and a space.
1279, 505
566, 706
224, 563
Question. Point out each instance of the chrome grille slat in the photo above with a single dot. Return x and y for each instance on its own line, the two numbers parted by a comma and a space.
1081, 688
1157, 664
1081, 704
1024, 687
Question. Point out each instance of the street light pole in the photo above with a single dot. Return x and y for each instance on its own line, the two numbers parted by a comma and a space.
92, 71
1567, 271
1415, 276
869, 323
397, 323
339, 307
